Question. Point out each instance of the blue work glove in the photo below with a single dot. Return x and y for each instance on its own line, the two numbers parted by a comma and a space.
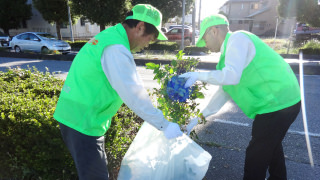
191, 77
172, 131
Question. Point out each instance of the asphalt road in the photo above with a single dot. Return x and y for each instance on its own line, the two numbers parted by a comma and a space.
226, 134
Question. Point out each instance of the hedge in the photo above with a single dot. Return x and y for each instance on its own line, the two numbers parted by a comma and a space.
77, 45
163, 45
31, 145
194, 49
159, 45
311, 47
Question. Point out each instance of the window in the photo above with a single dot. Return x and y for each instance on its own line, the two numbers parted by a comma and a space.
262, 25
23, 37
33, 37
174, 31
24, 23
63, 25
254, 6
240, 21
82, 21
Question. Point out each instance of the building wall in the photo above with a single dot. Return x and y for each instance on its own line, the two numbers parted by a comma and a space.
257, 16
238, 12
80, 30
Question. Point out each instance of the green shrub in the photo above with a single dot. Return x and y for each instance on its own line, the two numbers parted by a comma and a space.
77, 44
191, 49
311, 47
124, 127
173, 99
163, 45
4, 49
31, 145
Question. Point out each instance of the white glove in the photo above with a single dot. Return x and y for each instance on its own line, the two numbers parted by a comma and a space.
191, 76
172, 131
193, 122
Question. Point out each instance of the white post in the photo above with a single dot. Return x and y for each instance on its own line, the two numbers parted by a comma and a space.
303, 108
182, 30
70, 22
275, 33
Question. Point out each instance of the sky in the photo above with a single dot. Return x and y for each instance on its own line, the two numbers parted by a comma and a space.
208, 7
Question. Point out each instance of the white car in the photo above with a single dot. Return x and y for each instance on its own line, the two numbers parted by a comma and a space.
38, 42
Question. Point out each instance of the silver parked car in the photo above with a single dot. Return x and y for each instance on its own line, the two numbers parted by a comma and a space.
4, 39
38, 42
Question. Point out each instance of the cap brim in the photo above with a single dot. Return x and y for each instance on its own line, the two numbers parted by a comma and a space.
201, 42
161, 35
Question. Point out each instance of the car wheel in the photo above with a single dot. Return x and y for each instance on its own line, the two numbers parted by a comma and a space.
17, 49
44, 50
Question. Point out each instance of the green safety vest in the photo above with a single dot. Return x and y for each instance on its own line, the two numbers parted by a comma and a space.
87, 101
267, 84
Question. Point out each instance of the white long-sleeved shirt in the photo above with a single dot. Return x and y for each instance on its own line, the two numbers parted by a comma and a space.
240, 51
120, 69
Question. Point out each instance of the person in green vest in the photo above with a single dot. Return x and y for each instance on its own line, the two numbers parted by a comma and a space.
260, 82
101, 78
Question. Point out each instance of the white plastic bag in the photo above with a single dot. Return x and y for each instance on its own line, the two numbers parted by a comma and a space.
152, 156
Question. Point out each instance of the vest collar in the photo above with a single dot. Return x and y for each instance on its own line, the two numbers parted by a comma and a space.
123, 34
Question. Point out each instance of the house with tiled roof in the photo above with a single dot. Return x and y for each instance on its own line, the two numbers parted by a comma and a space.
257, 16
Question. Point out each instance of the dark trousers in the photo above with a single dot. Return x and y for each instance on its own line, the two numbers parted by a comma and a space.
88, 153
265, 150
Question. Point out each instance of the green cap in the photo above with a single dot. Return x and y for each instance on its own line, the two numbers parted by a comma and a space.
149, 14
213, 20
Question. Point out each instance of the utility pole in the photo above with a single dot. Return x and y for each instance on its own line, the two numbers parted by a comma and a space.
194, 23
183, 17
199, 15
70, 22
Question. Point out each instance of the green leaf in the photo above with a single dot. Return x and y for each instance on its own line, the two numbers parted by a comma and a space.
152, 66
200, 95
174, 63
171, 71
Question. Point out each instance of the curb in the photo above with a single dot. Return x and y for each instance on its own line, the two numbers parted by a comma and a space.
309, 68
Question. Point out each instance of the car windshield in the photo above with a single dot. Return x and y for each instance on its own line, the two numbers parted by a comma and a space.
47, 36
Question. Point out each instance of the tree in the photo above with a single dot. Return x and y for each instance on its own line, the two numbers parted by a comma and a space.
168, 8
13, 13
53, 11
102, 12
307, 11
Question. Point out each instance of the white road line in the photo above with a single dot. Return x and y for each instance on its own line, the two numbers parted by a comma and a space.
248, 125
18, 63
302, 133
232, 122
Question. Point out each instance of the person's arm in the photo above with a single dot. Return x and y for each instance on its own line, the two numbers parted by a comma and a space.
120, 69
218, 99
240, 51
